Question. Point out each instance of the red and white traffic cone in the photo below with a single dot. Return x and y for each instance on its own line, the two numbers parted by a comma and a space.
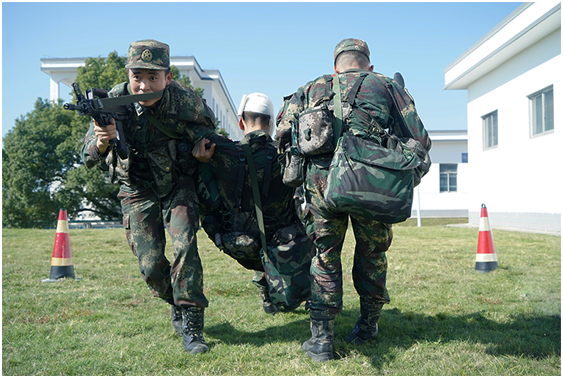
486, 254
61, 263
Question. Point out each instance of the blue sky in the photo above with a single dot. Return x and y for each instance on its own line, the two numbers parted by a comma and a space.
258, 47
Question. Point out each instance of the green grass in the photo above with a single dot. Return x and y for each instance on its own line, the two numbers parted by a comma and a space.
444, 318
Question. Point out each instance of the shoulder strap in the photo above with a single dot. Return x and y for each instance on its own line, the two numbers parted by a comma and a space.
257, 201
337, 109
152, 119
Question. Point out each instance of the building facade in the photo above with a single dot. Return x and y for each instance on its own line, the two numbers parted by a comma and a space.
443, 192
215, 92
513, 80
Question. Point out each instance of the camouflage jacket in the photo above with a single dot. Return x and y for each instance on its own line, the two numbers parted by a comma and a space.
371, 113
228, 188
155, 159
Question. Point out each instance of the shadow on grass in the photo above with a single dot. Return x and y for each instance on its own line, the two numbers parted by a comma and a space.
524, 335
530, 336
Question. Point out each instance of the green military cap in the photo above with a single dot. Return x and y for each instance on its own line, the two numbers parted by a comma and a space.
149, 54
351, 44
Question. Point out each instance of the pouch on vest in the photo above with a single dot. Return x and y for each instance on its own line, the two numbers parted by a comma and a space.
162, 168
118, 167
316, 132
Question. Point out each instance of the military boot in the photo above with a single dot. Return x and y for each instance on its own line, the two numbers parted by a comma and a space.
320, 346
366, 327
176, 315
192, 328
269, 307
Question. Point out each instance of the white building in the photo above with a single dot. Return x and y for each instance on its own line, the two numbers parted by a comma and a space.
64, 70
444, 190
513, 79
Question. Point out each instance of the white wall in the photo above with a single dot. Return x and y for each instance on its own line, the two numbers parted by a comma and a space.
522, 174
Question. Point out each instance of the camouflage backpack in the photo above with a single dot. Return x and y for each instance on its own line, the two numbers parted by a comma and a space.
376, 180
283, 252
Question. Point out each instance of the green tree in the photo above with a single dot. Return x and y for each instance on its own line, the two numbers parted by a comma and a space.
41, 167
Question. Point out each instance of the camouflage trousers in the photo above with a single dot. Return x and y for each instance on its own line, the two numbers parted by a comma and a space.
327, 230
145, 217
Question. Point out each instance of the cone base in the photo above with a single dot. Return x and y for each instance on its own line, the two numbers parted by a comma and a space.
58, 272
486, 266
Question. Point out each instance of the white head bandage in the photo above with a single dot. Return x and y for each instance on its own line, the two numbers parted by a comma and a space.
258, 103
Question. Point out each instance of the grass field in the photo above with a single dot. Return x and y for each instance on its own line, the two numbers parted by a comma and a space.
444, 318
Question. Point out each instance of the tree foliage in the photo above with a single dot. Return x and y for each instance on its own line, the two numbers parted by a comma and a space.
41, 167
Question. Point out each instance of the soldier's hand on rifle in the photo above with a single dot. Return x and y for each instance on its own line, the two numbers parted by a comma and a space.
201, 151
105, 133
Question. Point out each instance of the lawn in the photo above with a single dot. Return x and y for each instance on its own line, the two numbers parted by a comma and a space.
445, 318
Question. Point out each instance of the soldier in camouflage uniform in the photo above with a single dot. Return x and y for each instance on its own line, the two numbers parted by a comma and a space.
156, 182
228, 210
369, 116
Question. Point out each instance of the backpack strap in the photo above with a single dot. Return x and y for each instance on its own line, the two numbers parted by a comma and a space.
240, 180
355, 88
257, 201
268, 170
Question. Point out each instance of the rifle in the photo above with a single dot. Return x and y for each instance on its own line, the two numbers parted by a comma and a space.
102, 108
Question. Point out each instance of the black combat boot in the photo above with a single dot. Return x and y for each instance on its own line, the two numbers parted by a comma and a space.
269, 307
366, 327
192, 328
176, 315
320, 346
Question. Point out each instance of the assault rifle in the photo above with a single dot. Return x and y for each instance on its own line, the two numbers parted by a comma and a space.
102, 108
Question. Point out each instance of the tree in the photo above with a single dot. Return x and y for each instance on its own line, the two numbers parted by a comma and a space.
41, 167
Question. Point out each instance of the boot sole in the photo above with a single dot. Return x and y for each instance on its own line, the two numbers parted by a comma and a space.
321, 357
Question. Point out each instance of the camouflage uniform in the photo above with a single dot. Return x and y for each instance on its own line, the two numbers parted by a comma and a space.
367, 111
327, 228
226, 196
157, 189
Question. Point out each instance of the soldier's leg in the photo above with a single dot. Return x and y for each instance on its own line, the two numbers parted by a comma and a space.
180, 216
145, 234
259, 280
327, 231
370, 275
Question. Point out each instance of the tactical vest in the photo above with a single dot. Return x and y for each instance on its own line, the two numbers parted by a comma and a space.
156, 160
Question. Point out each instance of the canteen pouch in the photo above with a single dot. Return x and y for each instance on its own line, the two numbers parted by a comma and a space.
369, 180
316, 132
293, 168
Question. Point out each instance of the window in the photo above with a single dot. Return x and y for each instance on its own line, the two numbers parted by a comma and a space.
448, 178
490, 130
541, 111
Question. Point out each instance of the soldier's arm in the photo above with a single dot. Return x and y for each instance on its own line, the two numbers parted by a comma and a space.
90, 153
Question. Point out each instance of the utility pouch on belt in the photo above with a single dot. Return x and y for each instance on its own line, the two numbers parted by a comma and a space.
292, 162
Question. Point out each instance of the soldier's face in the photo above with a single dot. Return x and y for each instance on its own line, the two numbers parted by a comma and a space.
148, 81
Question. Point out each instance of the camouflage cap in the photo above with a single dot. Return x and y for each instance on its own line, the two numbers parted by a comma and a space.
148, 54
351, 44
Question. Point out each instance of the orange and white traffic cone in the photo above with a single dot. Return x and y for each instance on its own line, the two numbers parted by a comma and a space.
486, 254
61, 263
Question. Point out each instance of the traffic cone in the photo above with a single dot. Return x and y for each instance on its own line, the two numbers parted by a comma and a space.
61, 263
486, 254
